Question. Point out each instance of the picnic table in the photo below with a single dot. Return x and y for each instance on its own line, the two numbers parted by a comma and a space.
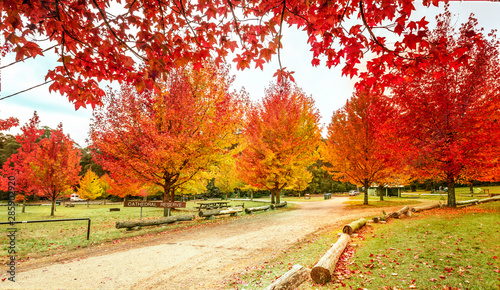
212, 205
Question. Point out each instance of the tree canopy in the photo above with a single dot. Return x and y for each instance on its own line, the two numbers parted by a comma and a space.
137, 42
282, 135
167, 138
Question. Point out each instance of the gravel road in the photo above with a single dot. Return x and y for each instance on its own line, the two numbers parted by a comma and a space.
198, 258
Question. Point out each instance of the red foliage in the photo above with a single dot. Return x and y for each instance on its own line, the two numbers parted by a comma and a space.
16, 165
53, 165
145, 40
8, 123
448, 110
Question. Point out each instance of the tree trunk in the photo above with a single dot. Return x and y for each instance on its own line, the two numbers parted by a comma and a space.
278, 199
166, 194
291, 279
160, 221
53, 209
24, 204
365, 200
471, 186
451, 193
88, 201
322, 272
432, 186
381, 192
272, 197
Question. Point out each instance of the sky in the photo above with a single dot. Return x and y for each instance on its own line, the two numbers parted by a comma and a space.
328, 87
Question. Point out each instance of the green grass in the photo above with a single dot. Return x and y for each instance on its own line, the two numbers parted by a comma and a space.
42, 239
374, 202
436, 249
454, 248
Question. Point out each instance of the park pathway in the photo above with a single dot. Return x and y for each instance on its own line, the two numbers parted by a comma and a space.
198, 258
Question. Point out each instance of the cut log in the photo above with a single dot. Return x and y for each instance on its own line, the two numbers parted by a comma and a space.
114, 209
291, 279
249, 210
425, 207
379, 218
354, 226
160, 221
495, 198
274, 206
467, 202
212, 212
400, 212
323, 270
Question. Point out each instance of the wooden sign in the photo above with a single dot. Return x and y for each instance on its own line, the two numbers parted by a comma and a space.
141, 203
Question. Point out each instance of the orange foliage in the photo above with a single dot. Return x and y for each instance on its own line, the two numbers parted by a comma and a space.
167, 138
281, 138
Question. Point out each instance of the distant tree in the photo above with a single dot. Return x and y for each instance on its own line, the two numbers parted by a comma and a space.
226, 173
87, 162
90, 187
354, 149
281, 138
53, 166
16, 164
8, 147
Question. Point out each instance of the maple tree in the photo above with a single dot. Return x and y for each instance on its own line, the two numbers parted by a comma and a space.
90, 186
137, 42
355, 147
16, 164
53, 165
448, 113
281, 138
167, 138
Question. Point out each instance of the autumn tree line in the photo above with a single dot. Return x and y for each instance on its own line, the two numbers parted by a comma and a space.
428, 111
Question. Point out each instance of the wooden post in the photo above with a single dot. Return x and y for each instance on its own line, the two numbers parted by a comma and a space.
322, 272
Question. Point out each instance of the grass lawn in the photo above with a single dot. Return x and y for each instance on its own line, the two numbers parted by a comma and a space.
437, 249
42, 239
374, 201
434, 250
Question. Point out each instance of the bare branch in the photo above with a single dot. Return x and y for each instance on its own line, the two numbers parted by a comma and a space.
34, 87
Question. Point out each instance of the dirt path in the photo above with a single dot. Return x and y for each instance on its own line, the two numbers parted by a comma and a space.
197, 258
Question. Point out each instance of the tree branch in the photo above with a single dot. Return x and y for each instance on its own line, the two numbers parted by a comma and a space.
34, 87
